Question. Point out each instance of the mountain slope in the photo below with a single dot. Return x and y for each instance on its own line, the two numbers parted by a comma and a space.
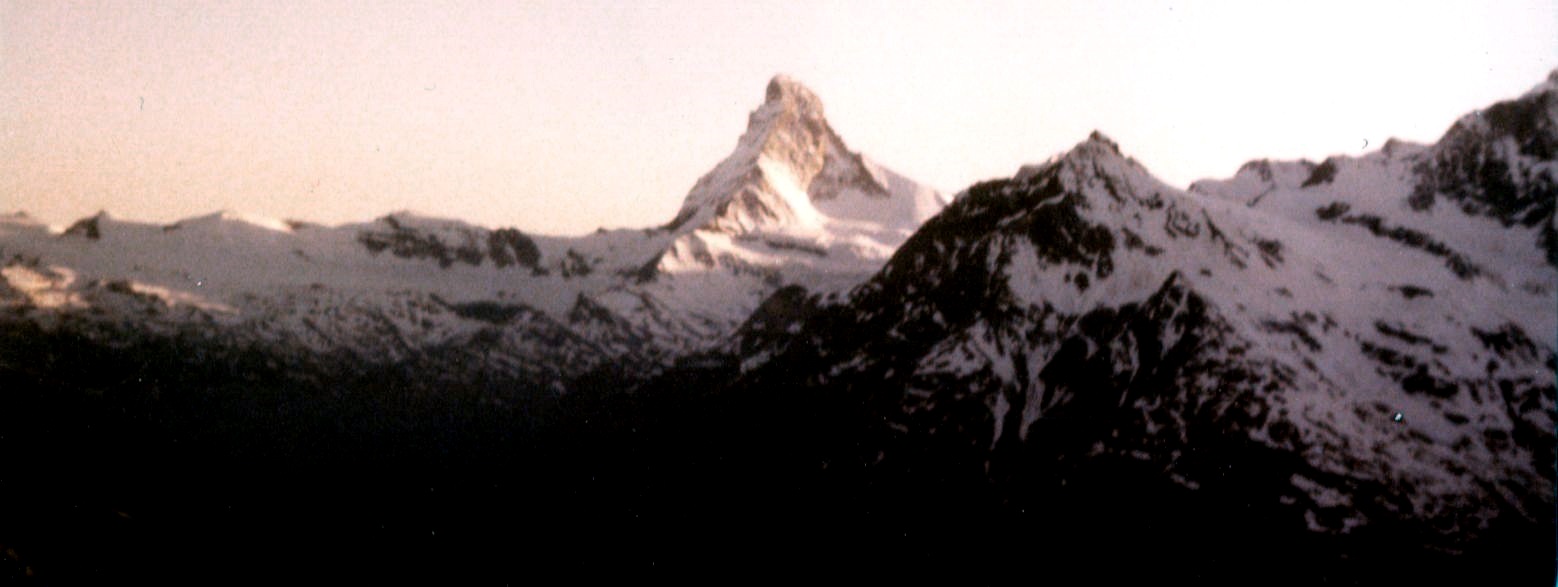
791, 206
1308, 373
1382, 366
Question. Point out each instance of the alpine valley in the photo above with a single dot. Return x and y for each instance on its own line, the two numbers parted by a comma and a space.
1333, 372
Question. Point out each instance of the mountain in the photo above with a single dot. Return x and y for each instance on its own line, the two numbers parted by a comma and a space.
1307, 373
791, 174
1347, 363
792, 205
175, 397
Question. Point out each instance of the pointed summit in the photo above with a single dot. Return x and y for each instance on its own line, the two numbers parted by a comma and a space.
790, 127
1099, 154
1099, 138
792, 94
791, 172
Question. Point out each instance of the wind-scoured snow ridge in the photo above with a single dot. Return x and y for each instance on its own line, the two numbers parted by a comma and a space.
1380, 325
790, 206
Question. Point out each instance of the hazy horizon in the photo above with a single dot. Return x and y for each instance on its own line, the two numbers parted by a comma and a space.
558, 118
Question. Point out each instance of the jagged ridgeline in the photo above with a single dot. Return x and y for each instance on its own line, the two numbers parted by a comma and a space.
791, 205
1333, 372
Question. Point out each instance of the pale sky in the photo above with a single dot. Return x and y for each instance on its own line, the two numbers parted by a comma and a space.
559, 117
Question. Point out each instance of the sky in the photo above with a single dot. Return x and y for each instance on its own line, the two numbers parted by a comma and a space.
561, 117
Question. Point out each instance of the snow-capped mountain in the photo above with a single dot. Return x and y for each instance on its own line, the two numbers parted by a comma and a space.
792, 175
1317, 372
791, 206
1370, 337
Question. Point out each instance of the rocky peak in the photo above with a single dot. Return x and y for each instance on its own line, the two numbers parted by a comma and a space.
788, 158
790, 128
1497, 162
1096, 159
794, 96
1098, 138
1531, 118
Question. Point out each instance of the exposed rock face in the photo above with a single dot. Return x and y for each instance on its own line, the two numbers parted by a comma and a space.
1083, 324
392, 290
1499, 163
790, 172
472, 246
1309, 372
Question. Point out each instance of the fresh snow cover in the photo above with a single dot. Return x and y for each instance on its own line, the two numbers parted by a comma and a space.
1343, 293
790, 205
1334, 295
792, 185
1341, 275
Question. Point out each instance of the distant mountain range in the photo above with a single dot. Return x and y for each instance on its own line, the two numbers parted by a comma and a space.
791, 205
1333, 371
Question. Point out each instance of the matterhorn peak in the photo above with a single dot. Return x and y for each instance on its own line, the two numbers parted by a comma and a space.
793, 96
790, 124
791, 171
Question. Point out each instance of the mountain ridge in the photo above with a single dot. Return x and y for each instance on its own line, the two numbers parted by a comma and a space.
1343, 364
635, 296
1083, 309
